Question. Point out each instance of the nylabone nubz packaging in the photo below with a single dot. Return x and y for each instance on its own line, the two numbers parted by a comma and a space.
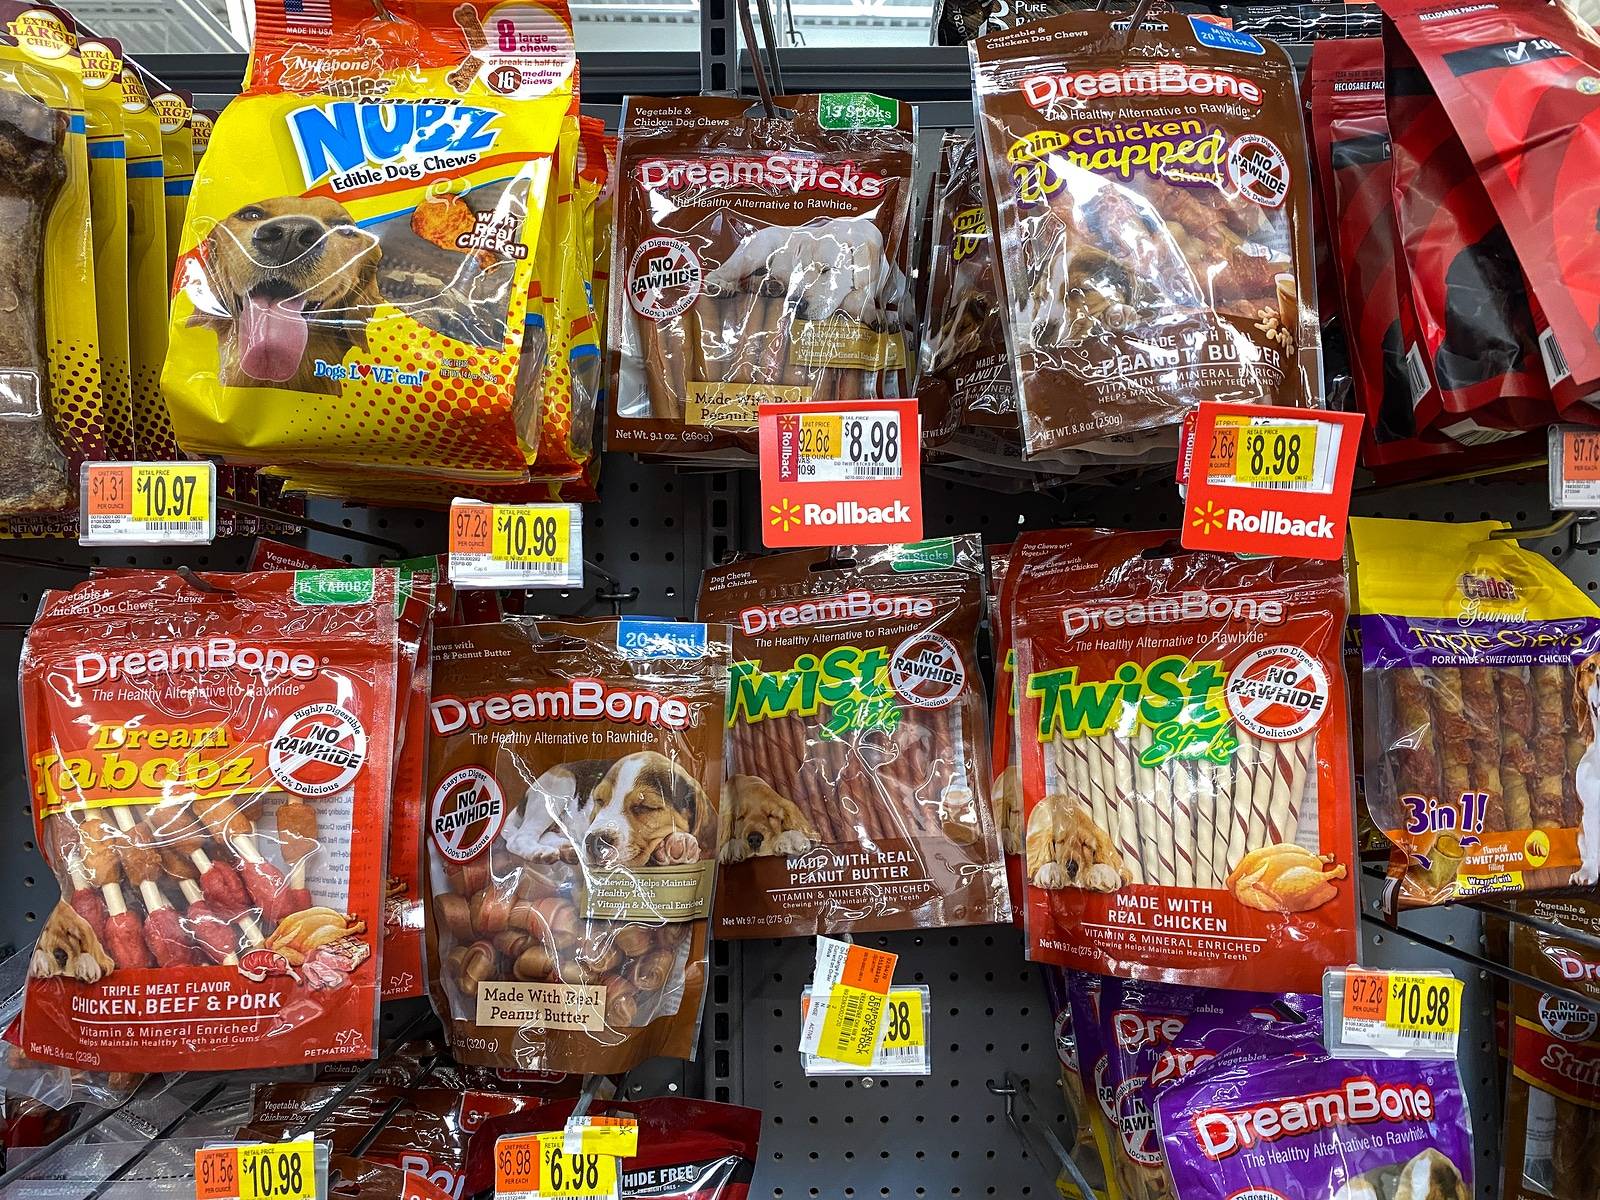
1184, 737
1150, 198
210, 759
858, 750
1467, 287
1514, 79
573, 820
1479, 671
51, 404
756, 260
1552, 1110
1276, 1107
355, 268
149, 273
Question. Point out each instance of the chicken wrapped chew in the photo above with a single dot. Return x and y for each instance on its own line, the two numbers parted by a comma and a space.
297, 836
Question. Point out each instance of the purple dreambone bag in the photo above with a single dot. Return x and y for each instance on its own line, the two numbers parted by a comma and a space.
1237, 1016
1277, 1118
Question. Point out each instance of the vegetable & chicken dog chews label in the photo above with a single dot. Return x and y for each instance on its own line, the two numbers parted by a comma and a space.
210, 759
1481, 680
858, 761
354, 278
1184, 732
573, 818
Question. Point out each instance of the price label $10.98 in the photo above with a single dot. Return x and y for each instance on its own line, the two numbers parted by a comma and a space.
515, 545
1400, 1013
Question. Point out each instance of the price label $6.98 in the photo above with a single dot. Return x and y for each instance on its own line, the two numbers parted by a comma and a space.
538, 1167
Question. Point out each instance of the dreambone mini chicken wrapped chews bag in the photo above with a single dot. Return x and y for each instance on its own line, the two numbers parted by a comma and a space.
354, 276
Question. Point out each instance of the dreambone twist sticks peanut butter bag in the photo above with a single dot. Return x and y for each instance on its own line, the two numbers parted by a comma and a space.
355, 269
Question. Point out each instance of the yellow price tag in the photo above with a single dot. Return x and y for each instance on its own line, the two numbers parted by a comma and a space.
820, 435
850, 1026
259, 1171
1276, 454
531, 533
574, 1176
171, 491
905, 1029
1428, 1004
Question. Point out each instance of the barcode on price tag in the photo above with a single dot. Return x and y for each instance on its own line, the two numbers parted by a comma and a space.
537, 1166
147, 504
1415, 1013
257, 1171
515, 545
904, 1049
850, 986
849, 447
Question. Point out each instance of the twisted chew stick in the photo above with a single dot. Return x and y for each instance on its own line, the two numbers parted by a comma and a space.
1157, 831
1239, 797
1123, 809
1263, 757
1205, 823
1181, 828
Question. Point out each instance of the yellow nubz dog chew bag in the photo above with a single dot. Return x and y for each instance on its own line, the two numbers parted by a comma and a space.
353, 279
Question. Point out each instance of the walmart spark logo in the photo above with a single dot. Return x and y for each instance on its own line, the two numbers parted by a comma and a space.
785, 515
1210, 518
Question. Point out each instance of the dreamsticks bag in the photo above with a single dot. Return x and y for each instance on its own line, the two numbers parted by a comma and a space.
1184, 736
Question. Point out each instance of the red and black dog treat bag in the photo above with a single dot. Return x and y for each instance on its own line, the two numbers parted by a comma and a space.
1517, 80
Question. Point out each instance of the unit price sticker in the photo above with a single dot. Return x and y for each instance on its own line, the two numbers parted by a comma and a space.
515, 545
1574, 467
538, 1166
1402, 1012
257, 1171
147, 504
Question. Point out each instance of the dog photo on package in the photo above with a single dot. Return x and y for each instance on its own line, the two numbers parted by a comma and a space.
355, 268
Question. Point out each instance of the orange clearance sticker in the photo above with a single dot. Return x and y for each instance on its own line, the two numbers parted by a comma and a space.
867, 969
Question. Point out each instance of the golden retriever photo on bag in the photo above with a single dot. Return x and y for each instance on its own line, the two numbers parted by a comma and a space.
1065, 848
293, 282
763, 822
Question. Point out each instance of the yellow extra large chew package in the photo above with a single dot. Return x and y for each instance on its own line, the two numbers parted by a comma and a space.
353, 281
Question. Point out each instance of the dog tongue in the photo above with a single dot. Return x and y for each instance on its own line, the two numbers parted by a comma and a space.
272, 337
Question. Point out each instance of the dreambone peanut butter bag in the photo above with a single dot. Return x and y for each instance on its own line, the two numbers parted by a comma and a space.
573, 820
355, 269
210, 759
756, 260
1151, 197
858, 759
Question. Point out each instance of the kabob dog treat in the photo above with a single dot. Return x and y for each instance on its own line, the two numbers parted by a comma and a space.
756, 260
1148, 189
573, 822
1183, 730
858, 762
211, 759
1552, 1111
1481, 680
965, 372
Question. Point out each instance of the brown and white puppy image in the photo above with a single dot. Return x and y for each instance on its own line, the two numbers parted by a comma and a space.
1066, 849
641, 810
764, 823
295, 280
67, 948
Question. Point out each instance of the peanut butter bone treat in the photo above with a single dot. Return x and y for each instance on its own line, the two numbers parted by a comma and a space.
33, 472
